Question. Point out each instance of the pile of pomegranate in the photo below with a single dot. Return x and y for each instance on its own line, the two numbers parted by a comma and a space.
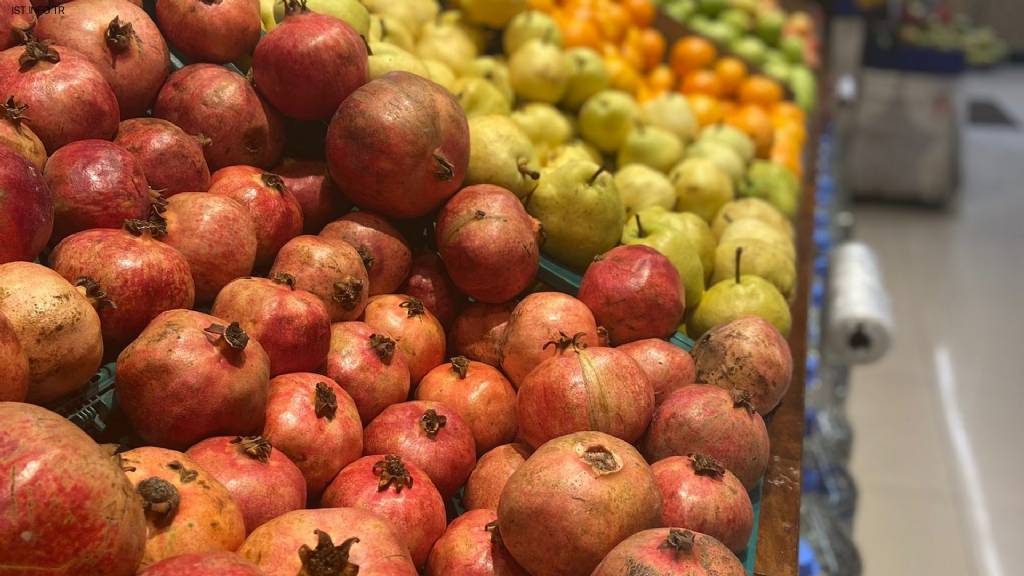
334, 362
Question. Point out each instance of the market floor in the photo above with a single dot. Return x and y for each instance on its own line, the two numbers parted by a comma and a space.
938, 454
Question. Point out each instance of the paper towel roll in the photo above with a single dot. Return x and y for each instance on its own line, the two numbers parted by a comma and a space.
860, 323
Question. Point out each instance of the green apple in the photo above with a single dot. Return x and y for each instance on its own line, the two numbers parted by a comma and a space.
651, 146
722, 155
607, 118
351, 11
672, 112
392, 31
539, 72
756, 229
500, 153
738, 297
774, 183
577, 150
531, 25
701, 187
494, 71
491, 13
732, 137
544, 124
412, 13
663, 236
768, 24
750, 208
587, 77
738, 18
448, 44
642, 187
389, 58
441, 73
751, 49
478, 97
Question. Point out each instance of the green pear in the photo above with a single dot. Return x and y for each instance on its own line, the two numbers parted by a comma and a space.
544, 124
478, 35
492, 13
751, 49
759, 259
413, 14
478, 97
737, 18
577, 150
448, 44
755, 229
732, 137
531, 25
722, 155
663, 237
737, 297
607, 118
539, 71
350, 11
774, 183
792, 48
670, 111
441, 73
701, 187
768, 23
641, 187
691, 226
804, 85
387, 57
651, 146
390, 30
587, 76
500, 153
494, 71
580, 210
750, 208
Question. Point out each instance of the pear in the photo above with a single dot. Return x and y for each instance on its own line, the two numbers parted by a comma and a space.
732, 137
663, 237
651, 146
587, 77
670, 111
494, 71
754, 229
759, 259
738, 297
478, 97
390, 30
577, 150
441, 73
774, 183
722, 155
544, 124
500, 153
701, 187
492, 13
607, 118
531, 25
478, 35
750, 208
389, 58
643, 187
352, 12
413, 14
539, 71
691, 226
448, 44
268, 21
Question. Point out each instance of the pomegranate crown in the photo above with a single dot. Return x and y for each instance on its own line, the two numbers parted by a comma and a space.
392, 473
327, 559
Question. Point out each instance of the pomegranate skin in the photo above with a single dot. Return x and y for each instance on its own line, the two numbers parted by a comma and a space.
13, 364
66, 509
172, 160
319, 198
363, 361
478, 331
667, 367
472, 547
95, 184
178, 383
429, 282
17, 137
202, 31
428, 435
315, 423
16, 18
670, 552
399, 145
332, 270
418, 334
573, 500
483, 489
386, 253
204, 564
26, 209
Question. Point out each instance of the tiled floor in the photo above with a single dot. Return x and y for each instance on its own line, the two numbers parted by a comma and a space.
939, 448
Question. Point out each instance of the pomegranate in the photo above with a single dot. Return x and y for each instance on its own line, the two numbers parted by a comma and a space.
218, 31
699, 494
749, 354
480, 394
16, 18
172, 160
139, 275
187, 509
668, 367
190, 376
57, 326
26, 209
274, 210
66, 507
540, 318
344, 541
315, 423
385, 251
319, 198
429, 282
712, 421
418, 335
13, 364
262, 481
429, 435
573, 500
68, 96
670, 552
399, 145
483, 489
16, 136
220, 106
363, 362
331, 270
472, 547
477, 332
204, 564
293, 326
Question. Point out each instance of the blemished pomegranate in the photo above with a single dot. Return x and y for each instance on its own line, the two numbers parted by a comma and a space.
67, 508
347, 540
262, 481
319, 198
489, 243
66, 94
187, 510
26, 208
472, 547
709, 420
363, 362
399, 492
477, 332
699, 494
16, 136
399, 145
218, 31
429, 435
204, 564
483, 489
670, 552
481, 395
309, 63
139, 275
419, 337
540, 318
13, 364
386, 253
212, 378
95, 184
57, 326
293, 326
16, 18
332, 270
315, 423
749, 354
668, 367
221, 107
172, 160
559, 527
428, 282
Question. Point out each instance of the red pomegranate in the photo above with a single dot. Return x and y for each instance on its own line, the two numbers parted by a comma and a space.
477, 332
293, 326
386, 253
220, 106
428, 282
472, 547
16, 18
319, 198
483, 489
429, 435
418, 335
57, 326
399, 492
573, 500
347, 540
315, 423
218, 31
363, 362
670, 552
540, 318
16, 136
187, 509
399, 145
68, 97
262, 481
172, 160
13, 364
480, 394
67, 508
668, 367
26, 208
212, 379
709, 420
699, 494
332, 270
204, 564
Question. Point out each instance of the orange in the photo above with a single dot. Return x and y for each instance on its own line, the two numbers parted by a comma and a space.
652, 43
691, 53
789, 157
543, 5
662, 78
632, 51
788, 112
645, 92
579, 32
613, 21
753, 120
760, 90
621, 74
707, 110
642, 11
791, 132
731, 72
702, 82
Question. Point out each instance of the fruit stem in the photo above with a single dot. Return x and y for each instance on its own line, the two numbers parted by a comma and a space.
525, 171
273, 181
679, 541
564, 342
233, 335
283, 278
119, 35
255, 447
35, 52
327, 559
413, 306
392, 474
460, 365
160, 498
383, 346
95, 293
325, 403
347, 292
432, 422
739, 255
14, 113
492, 527
593, 178
743, 399
639, 226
